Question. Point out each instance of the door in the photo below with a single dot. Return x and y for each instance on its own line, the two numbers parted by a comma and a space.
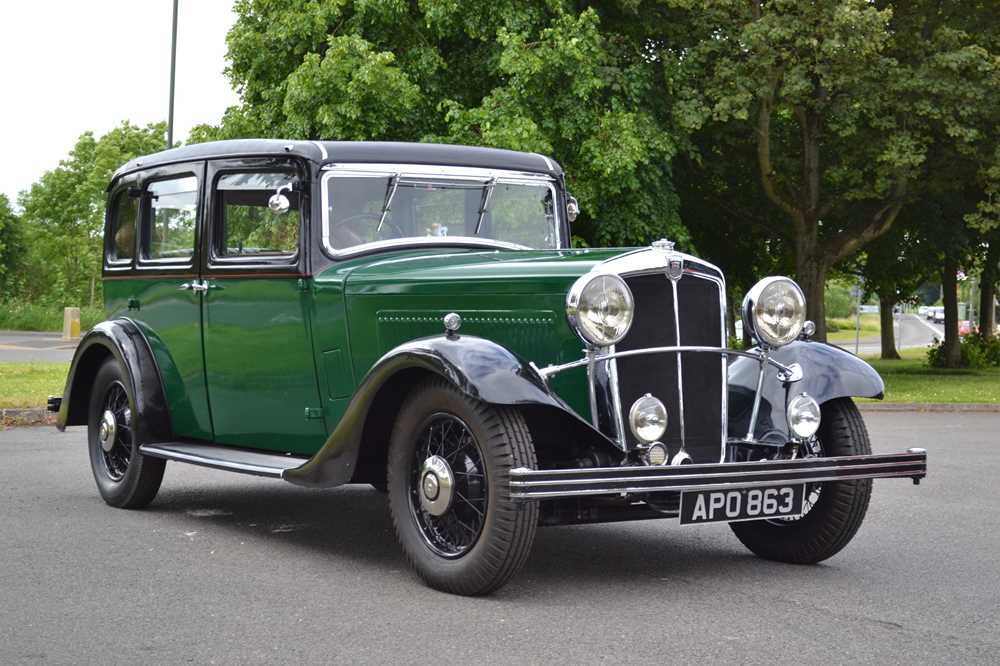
259, 357
161, 292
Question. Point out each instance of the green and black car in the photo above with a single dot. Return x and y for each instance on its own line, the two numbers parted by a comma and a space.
412, 317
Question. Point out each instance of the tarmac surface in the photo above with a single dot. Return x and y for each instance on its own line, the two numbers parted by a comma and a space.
35, 346
230, 569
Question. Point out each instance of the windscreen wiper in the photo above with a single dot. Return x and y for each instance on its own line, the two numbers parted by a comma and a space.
390, 193
487, 196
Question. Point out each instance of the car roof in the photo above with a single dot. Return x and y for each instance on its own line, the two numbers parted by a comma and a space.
331, 152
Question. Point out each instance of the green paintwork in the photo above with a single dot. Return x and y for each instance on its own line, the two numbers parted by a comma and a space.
283, 356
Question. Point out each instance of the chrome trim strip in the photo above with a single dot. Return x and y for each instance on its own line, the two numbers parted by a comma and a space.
231, 466
552, 370
680, 369
591, 386
322, 149
453, 173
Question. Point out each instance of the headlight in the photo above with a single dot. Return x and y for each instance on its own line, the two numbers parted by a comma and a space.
774, 310
648, 418
600, 308
803, 416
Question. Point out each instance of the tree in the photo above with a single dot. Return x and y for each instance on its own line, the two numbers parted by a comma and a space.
843, 100
63, 214
573, 80
11, 248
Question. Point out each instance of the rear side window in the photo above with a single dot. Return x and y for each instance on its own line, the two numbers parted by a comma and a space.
173, 213
124, 215
247, 227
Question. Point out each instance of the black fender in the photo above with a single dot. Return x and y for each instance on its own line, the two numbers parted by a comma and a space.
480, 368
124, 341
828, 372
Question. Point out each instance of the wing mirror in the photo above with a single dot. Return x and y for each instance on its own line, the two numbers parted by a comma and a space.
572, 208
279, 203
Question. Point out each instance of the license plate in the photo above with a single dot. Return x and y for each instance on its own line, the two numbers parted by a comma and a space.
712, 506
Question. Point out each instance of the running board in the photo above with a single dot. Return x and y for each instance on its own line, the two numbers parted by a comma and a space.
230, 459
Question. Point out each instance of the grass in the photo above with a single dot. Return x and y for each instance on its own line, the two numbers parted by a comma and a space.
870, 327
29, 384
30, 317
910, 380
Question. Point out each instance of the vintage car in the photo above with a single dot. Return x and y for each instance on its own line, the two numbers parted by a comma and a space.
412, 316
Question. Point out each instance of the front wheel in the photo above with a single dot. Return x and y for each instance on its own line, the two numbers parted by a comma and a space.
834, 510
125, 478
449, 466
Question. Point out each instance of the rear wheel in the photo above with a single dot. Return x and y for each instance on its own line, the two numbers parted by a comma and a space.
833, 510
125, 478
448, 472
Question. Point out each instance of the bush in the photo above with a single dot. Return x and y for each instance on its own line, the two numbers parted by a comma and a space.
976, 352
16, 316
838, 300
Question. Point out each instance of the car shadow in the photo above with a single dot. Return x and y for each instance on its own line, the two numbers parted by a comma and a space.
352, 523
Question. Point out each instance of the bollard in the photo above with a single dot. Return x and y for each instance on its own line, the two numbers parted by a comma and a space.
71, 323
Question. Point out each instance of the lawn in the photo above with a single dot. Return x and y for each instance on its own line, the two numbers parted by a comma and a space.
29, 384
870, 327
910, 380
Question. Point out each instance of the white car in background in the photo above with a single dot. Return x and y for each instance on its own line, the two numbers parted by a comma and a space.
937, 316
923, 310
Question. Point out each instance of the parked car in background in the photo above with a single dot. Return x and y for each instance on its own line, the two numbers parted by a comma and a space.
412, 316
964, 328
937, 316
922, 310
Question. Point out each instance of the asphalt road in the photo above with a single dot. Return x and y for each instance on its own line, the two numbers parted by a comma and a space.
910, 331
230, 569
34, 346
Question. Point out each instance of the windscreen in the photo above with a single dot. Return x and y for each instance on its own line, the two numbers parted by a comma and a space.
366, 208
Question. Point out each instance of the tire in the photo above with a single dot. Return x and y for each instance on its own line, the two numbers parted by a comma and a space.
125, 478
485, 441
839, 509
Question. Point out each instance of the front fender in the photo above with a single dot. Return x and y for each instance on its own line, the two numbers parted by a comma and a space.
480, 368
828, 372
122, 340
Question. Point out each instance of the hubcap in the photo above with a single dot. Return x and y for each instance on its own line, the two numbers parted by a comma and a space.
108, 431
437, 485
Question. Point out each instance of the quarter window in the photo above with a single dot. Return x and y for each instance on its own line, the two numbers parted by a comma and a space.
173, 213
124, 212
247, 226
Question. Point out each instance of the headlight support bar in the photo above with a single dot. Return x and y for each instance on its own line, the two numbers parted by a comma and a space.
786, 373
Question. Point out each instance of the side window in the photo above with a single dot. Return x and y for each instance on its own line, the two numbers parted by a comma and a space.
246, 226
121, 231
170, 225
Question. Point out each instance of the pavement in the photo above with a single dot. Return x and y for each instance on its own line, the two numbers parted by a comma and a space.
910, 330
35, 346
230, 569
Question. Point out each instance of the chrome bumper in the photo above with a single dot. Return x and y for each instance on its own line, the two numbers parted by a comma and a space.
529, 484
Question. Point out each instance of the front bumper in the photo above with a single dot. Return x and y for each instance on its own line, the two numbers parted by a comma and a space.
528, 484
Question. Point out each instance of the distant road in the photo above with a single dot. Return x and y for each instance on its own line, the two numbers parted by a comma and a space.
911, 331
34, 346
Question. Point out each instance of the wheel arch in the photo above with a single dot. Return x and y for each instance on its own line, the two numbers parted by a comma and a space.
479, 368
122, 340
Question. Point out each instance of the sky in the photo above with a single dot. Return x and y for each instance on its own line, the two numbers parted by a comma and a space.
75, 65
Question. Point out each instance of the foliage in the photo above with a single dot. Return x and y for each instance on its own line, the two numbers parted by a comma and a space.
11, 247
977, 352
839, 302
22, 316
574, 80
63, 216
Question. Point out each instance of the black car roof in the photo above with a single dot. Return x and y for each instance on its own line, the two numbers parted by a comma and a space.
329, 152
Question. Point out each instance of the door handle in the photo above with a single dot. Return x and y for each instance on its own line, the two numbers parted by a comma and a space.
195, 286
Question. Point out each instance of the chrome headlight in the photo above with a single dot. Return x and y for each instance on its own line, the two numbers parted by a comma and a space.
774, 310
600, 308
803, 416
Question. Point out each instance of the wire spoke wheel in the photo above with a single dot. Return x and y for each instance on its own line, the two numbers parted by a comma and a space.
116, 431
448, 486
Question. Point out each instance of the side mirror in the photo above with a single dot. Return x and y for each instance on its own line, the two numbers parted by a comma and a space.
572, 208
278, 203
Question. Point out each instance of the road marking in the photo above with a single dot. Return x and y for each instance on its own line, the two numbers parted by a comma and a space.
937, 334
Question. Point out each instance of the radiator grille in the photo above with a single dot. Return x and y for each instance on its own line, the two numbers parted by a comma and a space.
654, 325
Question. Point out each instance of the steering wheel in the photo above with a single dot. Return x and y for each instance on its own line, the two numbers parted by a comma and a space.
360, 228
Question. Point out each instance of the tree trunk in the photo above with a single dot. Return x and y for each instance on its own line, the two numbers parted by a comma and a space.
988, 291
886, 302
949, 289
811, 276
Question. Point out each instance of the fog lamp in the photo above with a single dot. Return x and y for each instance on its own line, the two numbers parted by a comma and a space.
648, 418
656, 454
803, 416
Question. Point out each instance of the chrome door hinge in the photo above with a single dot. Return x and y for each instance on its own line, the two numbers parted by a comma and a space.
314, 413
